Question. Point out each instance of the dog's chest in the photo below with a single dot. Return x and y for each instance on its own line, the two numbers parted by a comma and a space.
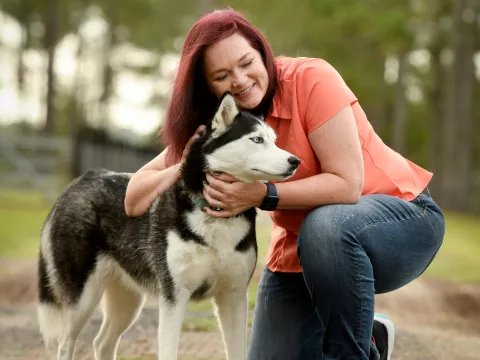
215, 263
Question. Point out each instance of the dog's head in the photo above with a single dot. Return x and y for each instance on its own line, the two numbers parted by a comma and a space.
242, 145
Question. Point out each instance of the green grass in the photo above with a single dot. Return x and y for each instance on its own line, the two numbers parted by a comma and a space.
21, 219
458, 258
22, 215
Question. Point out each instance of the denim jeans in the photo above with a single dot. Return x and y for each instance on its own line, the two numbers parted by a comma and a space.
348, 254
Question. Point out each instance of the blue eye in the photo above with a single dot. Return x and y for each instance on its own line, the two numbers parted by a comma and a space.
257, 139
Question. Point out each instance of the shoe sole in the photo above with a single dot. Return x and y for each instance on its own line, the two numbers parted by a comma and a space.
390, 330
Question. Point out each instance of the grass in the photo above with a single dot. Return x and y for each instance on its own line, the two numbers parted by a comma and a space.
22, 215
457, 259
21, 219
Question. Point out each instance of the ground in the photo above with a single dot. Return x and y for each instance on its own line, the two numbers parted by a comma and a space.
435, 320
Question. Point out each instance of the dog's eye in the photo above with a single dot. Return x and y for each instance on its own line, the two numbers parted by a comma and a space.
257, 139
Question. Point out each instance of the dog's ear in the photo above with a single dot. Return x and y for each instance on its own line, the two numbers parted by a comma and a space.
226, 113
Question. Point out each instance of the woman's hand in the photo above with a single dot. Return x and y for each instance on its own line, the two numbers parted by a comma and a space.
192, 139
230, 195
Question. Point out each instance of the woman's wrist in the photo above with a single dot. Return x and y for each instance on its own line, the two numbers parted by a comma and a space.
260, 195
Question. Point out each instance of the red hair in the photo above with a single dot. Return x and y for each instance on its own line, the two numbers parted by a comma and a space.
192, 103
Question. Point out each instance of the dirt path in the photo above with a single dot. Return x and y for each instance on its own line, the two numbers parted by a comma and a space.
435, 320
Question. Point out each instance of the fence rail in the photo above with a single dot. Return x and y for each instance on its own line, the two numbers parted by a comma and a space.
44, 162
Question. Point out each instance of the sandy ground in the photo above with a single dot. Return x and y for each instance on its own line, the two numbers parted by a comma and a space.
434, 320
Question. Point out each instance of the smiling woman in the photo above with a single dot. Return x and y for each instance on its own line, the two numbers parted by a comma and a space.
233, 65
354, 220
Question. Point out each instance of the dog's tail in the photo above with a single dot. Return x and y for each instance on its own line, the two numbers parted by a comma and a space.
50, 314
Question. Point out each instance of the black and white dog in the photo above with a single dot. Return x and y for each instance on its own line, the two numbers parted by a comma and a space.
175, 251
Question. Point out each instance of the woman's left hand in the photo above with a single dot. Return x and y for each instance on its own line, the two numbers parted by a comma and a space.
231, 195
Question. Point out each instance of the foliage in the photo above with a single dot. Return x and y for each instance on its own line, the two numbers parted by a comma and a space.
364, 40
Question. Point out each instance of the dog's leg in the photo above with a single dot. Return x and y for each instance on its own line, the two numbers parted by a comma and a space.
76, 317
170, 324
121, 308
231, 311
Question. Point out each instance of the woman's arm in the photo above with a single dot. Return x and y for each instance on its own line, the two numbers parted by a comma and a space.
153, 179
337, 146
148, 183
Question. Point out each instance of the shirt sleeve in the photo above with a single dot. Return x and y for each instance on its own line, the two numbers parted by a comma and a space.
322, 93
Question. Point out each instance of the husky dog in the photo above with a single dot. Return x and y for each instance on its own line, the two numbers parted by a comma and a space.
175, 252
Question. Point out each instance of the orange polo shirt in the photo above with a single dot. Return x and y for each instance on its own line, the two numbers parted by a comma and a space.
310, 92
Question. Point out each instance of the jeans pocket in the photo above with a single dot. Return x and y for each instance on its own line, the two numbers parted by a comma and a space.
432, 212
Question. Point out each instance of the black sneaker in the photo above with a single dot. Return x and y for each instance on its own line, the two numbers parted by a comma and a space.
384, 335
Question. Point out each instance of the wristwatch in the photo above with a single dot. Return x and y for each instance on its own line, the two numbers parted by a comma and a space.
271, 199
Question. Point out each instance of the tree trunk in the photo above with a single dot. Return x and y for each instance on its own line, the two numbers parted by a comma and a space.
51, 39
76, 113
25, 42
400, 107
459, 129
23, 12
108, 75
437, 99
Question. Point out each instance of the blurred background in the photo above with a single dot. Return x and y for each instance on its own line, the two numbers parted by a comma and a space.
85, 84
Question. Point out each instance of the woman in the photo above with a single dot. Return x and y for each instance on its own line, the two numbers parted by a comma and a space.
356, 219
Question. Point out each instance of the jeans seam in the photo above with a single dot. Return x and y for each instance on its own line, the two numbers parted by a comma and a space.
360, 291
367, 226
427, 209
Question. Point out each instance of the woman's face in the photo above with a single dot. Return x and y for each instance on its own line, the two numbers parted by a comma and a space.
233, 65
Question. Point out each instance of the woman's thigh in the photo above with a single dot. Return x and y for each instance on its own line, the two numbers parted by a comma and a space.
399, 237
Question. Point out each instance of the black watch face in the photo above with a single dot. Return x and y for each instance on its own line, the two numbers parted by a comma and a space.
271, 203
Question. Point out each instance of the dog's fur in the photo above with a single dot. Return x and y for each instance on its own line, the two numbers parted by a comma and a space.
175, 251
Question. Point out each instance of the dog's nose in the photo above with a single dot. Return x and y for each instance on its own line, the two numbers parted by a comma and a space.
293, 160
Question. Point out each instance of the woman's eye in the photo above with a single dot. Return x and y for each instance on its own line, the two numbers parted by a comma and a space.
247, 64
257, 139
220, 78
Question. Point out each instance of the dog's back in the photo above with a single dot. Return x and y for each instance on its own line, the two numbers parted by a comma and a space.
89, 246
83, 223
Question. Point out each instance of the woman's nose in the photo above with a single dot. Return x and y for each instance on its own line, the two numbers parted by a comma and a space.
239, 79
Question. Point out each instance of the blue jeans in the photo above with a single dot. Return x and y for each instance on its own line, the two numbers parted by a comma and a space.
348, 254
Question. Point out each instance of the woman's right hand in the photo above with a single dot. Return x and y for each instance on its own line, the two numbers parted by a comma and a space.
192, 139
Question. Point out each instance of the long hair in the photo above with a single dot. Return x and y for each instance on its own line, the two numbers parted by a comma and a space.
192, 103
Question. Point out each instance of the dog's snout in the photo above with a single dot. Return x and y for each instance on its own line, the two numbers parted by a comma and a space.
293, 160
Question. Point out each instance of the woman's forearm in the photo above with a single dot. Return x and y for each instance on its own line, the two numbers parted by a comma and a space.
318, 190
145, 186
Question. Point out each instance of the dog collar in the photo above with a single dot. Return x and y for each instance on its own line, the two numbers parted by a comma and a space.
200, 201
